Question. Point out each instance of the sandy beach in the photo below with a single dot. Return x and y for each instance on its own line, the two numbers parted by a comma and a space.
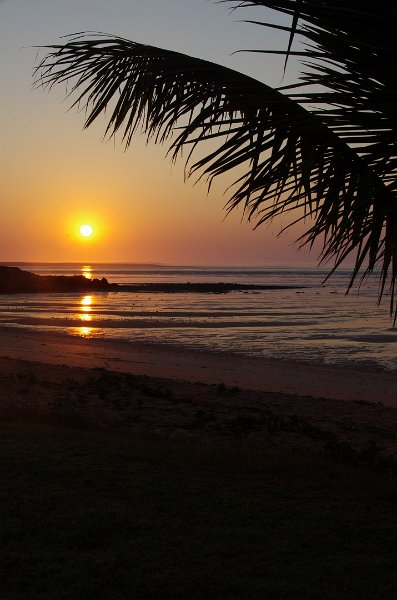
296, 379
137, 454
173, 391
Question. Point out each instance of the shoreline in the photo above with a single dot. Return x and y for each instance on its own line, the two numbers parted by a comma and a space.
199, 366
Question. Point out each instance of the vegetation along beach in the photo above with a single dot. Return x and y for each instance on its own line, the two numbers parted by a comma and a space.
198, 353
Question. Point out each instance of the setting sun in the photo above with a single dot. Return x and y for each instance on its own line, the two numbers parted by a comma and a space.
86, 230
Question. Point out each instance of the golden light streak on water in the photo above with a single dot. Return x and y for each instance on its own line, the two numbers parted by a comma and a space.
86, 271
85, 331
86, 303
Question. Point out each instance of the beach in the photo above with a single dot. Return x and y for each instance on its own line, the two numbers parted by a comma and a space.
173, 391
167, 447
232, 369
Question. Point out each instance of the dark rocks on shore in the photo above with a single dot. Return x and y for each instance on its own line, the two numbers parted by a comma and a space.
203, 288
14, 280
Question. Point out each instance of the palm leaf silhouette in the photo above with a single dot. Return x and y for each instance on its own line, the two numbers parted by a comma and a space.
325, 146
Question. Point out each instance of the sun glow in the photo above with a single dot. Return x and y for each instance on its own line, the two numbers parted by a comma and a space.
86, 230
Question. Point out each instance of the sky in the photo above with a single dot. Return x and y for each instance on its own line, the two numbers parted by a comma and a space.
54, 176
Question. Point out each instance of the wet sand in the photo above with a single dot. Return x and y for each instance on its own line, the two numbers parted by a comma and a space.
251, 373
171, 391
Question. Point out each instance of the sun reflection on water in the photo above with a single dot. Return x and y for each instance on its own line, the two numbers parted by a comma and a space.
86, 270
85, 308
85, 331
86, 303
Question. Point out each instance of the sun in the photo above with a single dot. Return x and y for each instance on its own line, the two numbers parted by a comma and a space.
86, 230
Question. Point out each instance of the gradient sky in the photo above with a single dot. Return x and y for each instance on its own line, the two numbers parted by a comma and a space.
55, 176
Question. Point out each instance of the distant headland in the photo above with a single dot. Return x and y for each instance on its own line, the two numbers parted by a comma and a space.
14, 280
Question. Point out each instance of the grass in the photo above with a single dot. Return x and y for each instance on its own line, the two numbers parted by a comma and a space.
87, 515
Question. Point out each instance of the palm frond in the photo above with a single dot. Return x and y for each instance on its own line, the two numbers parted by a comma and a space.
288, 157
348, 48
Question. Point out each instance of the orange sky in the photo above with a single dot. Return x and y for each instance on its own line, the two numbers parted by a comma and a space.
54, 176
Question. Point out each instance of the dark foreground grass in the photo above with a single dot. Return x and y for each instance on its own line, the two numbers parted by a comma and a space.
88, 516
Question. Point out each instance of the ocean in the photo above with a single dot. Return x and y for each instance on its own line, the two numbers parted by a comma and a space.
315, 322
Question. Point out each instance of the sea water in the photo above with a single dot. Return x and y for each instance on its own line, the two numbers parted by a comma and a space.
313, 322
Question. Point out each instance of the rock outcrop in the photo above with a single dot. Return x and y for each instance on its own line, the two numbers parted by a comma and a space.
14, 280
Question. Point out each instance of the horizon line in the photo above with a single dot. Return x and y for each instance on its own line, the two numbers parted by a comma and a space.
173, 265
